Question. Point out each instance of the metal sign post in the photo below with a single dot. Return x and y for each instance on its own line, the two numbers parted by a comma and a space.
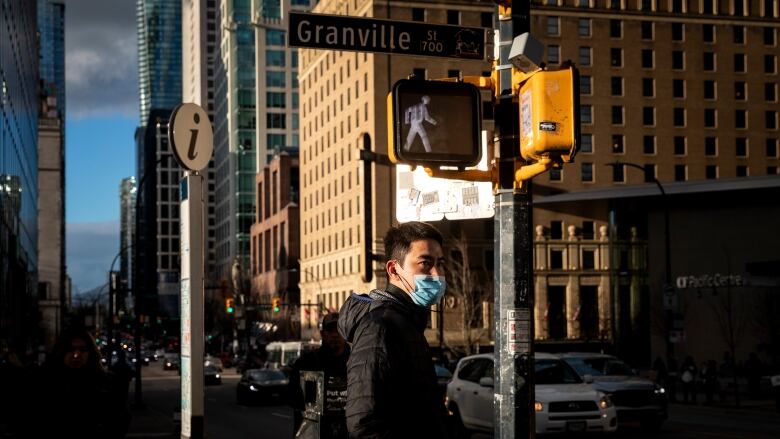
192, 142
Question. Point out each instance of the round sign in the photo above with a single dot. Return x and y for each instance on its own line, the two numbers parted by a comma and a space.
191, 136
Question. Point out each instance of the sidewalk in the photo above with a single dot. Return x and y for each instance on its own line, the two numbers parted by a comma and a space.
150, 422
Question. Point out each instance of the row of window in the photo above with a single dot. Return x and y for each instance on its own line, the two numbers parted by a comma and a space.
678, 57
317, 221
763, 8
679, 117
680, 145
679, 88
587, 172
678, 31
267, 249
317, 247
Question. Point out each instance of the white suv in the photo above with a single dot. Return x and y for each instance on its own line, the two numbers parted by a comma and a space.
564, 402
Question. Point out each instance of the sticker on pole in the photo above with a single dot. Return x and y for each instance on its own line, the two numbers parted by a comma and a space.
518, 331
191, 136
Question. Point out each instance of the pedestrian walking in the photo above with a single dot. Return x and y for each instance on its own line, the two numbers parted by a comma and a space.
331, 359
688, 373
392, 389
77, 396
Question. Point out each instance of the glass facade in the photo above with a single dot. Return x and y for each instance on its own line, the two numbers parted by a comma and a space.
18, 171
51, 25
158, 25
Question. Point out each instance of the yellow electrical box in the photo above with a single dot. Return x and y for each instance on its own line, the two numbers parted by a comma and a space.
549, 115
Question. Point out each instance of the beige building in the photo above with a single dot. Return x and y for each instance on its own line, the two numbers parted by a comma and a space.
343, 95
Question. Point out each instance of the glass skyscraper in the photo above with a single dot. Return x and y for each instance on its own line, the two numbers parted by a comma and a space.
18, 171
51, 25
158, 26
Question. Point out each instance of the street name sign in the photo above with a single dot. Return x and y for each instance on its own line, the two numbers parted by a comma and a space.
339, 32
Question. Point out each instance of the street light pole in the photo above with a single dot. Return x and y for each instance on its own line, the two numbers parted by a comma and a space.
669, 317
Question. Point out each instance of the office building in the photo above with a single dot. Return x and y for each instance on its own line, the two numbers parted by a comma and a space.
51, 26
343, 95
19, 105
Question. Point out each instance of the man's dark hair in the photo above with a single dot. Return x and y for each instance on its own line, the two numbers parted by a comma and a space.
399, 239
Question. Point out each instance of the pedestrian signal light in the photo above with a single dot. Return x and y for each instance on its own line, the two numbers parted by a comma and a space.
276, 303
229, 308
549, 115
434, 123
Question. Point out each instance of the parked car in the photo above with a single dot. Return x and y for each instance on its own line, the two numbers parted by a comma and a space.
635, 398
212, 375
564, 401
261, 385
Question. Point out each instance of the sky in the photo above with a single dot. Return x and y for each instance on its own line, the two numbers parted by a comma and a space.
101, 83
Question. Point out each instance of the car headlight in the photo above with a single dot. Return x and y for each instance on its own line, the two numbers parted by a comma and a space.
253, 388
538, 406
659, 390
605, 402
217, 375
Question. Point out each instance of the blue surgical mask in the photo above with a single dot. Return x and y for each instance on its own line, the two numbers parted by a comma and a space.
428, 290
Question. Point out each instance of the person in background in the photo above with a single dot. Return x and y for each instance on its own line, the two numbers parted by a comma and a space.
688, 373
331, 359
77, 396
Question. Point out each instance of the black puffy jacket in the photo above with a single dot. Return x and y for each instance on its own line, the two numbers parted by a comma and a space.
391, 391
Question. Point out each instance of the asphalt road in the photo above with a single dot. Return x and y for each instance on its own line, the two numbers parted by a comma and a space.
225, 419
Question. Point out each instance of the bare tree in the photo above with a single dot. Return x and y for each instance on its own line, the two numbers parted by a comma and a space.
471, 288
732, 320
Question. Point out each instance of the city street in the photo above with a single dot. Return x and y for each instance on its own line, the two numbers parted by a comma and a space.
226, 419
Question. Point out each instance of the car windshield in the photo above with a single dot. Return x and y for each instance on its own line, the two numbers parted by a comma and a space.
266, 375
551, 371
442, 372
600, 366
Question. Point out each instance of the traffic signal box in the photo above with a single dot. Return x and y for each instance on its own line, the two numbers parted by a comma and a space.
276, 304
229, 306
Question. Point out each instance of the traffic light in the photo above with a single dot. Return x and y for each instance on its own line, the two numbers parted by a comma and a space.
549, 115
229, 308
276, 305
434, 123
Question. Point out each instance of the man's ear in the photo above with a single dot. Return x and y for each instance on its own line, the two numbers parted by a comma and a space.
390, 268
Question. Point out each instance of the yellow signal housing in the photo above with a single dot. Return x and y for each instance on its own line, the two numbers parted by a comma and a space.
549, 115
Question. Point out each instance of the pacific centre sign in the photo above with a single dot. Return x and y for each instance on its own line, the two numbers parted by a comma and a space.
339, 32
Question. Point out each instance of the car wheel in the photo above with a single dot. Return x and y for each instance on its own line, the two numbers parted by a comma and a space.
652, 424
456, 427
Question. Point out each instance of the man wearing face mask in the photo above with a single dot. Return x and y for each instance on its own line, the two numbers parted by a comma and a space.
391, 391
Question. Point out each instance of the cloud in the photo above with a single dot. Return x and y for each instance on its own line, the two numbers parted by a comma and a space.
101, 58
90, 249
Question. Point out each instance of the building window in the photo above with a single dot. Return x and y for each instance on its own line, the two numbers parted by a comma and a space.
276, 120
586, 143
678, 117
583, 27
770, 64
648, 58
646, 5
617, 144
772, 170
648, 145
679, 145
740, 93
274, 58
588, 230
583, 3
708, 61
588, 259
584, 56
680, 172
486, 19
556, 230
453, 17
275, 100
741, 146
739, 63
556, 259
708, 33
616, 57
274, 37
770, 92
617, 115
650, 173
553, 26
711, 172
710, 118
740, 119
770, 118
771, 148
418, 14
648, 116
587, 172
555, 174
452, 73
615, 29
585, 85
678, 60
742, 171
677, 6
553, 54
769, 36
678, 88
618, 173
586, 114
615, 4
678, 31
419, 73
648, 87
709, 89
647, 30
616, 86
739, 7
739, 34
275, 79
710, 146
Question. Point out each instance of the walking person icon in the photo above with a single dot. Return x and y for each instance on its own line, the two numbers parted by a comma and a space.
415, 116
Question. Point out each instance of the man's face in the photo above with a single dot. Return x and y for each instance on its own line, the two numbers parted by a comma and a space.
333, 340
77, 354
425, 257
